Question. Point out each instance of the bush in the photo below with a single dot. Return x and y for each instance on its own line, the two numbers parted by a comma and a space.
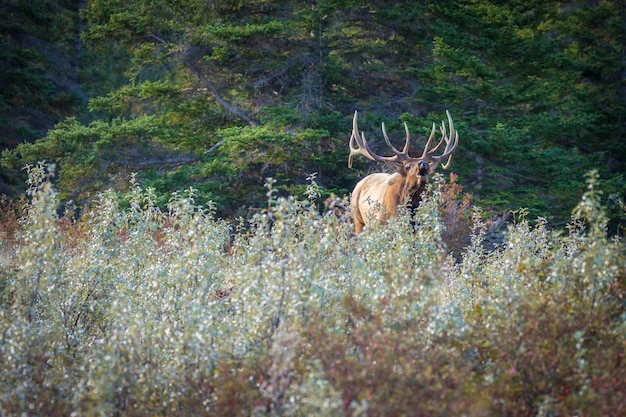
142, 311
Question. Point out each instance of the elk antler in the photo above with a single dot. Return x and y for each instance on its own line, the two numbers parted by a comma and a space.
364, 149
402, 156
451, 143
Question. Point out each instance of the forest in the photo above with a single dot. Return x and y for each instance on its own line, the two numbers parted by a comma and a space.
175, 231
221, 95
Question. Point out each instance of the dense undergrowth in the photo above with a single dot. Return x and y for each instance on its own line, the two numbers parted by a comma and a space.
139, 311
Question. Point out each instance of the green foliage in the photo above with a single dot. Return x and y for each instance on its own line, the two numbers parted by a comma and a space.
98, 153
148, 311
536, 91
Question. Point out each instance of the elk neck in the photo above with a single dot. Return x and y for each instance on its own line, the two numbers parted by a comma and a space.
406, 191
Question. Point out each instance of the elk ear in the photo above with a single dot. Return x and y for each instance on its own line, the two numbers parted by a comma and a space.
402, 169
395, 177
397, 167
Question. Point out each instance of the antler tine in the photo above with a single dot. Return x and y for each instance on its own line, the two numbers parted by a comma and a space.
451, 152
428, 142
451, 143
404, 155
405, 150
363, 148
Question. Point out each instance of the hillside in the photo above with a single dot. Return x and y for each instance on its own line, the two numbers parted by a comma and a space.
220, 96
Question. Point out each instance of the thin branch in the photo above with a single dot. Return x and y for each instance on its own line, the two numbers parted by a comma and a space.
214, 147
175, 160
231, 107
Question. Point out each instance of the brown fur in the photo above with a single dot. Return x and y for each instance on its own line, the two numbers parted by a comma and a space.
378, 196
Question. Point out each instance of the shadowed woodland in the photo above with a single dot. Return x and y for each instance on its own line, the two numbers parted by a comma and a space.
220, 95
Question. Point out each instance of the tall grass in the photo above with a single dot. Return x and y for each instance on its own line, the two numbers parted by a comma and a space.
140, 311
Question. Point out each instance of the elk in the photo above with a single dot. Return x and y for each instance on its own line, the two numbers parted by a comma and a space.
378, 196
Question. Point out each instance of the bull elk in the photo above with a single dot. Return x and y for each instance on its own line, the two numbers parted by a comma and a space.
377, 196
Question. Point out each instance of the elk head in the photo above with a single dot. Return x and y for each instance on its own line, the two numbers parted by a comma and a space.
378, 196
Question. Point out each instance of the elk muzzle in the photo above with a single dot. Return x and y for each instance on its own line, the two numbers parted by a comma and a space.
419, 171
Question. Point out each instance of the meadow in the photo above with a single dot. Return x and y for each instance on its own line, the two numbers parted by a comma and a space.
134, 310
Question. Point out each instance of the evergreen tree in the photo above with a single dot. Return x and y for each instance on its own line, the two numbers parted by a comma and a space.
221, 95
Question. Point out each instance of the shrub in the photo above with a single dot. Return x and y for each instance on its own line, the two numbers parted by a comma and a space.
134, 310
